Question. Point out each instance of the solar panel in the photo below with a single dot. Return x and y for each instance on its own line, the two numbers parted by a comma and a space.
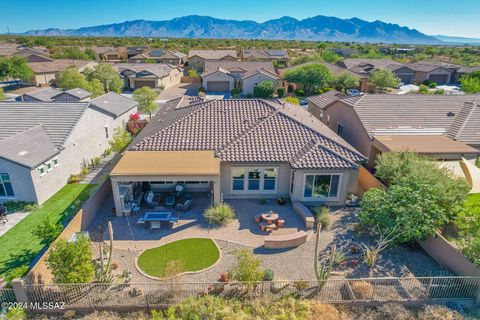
277, 53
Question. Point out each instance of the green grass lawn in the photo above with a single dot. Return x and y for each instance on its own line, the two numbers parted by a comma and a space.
194, 254
473, 199
18, 247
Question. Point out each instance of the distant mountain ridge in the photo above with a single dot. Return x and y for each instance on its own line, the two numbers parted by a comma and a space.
318, 28
458, 40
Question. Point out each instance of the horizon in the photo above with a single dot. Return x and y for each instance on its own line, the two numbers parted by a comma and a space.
74, 15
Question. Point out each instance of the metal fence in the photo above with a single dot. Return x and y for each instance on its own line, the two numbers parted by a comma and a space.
7, 295
91, 295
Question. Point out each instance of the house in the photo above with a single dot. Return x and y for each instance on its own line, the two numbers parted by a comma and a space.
237, 149
43, 143
223, 76
106, 53
160, 56
197, 58
334, 69
343, 52
431, 72
47, 72
133, 51
31, 54
50, 94
441, 126
153, 75
464, 71
268, 55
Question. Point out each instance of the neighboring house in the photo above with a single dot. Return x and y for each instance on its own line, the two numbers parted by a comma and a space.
223, 76
431, 72
237, 149
197, 58
133, 51
334, 69
54, 95
106, 53
31, 54
153, 75
343, 52
268, 55
47, 73
160, 56
42, 144
464, 71
445, 127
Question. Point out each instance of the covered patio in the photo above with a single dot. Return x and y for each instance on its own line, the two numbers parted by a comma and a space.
150, 179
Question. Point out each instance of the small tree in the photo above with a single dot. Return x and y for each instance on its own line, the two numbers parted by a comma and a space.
70, 78
219, 214
48, 230
470, 83
311, 76
383, 78
95, 87
330, 56
146, 98
247, 267
120, 140
71, 262
292, 100
15, 67
107, 76
281, 92
264, 89
192, 73
346, 80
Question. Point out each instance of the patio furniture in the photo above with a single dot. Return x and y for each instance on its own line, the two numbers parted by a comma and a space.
170, 201
3, 214
305, 213
185, 206
149, 196
270, 217
159, 209
284, 241
258, 217
178, 191
155, 225
157, 216
269, 227
280, 223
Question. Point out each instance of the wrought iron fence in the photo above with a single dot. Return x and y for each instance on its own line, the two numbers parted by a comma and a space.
7, 295
91, 295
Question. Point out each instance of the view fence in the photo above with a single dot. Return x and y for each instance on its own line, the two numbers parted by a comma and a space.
91, 295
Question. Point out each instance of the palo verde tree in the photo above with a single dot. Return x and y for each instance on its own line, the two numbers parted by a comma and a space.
383, 79
146, 98
311, 76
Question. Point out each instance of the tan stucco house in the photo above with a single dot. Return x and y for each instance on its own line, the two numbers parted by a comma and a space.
266, 55
160, 56
197, 58
47, 72
223, 76
153, 75
43, 143
444, 127
237, 149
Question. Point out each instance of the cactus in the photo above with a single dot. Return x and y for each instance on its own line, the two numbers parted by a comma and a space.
322, 273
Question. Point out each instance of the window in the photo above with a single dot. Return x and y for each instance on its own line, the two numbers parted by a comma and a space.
42, 171
6, 189
254, 179
340, 130
55, 162
321, 186
49, 166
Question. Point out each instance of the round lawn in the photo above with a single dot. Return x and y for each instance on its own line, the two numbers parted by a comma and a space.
192, 254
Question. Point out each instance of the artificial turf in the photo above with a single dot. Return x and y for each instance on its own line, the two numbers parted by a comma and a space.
193, 254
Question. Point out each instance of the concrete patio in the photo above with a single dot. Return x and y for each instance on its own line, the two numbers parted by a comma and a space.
128, 235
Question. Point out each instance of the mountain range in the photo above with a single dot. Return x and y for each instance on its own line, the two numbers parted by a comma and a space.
318, 28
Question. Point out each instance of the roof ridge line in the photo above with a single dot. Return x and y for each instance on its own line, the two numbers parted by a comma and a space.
468, 116
319, 144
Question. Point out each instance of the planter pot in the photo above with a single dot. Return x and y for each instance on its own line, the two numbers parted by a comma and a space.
281, 201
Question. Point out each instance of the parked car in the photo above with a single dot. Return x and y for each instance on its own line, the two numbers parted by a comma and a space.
353, 92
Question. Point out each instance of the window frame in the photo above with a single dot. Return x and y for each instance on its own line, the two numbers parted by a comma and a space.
340, 129
246, 179
2, 185
329, 198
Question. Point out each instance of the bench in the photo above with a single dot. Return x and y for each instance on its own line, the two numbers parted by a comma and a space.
284, 241
305, 213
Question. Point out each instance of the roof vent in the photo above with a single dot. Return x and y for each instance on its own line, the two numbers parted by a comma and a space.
22, 153
450, 114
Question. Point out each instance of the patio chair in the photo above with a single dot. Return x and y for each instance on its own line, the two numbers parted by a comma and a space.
149, 196
258, 217
141, 221
185, 206
3, 214
178, 191
280, 223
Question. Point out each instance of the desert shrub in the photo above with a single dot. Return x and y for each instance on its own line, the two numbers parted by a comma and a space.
107, 152
17, 272
322, 215
438, 312
264, 89
281, 92
299, 92
208, 307
85, 171
74, 178
192, 73
47, 230
440, 91
16, 314
292, 100
326, 312
361, 289
249, 96
31, 207
423, 89
235, 91
219, 214
268, 275
339, 257
201, 90
432, 85
120, 140
247, 267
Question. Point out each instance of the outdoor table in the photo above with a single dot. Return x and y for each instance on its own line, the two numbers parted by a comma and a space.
157, 216
270, 217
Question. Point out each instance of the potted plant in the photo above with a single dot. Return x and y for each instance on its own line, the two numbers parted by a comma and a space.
281, 201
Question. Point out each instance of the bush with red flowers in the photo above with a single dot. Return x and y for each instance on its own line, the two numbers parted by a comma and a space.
135, 124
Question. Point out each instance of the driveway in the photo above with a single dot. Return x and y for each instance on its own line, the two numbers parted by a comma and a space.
182, 89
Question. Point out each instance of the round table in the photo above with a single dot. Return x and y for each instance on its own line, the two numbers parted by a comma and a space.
270, 217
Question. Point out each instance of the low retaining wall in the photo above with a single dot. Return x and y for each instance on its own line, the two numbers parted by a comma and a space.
446, 255
39, 273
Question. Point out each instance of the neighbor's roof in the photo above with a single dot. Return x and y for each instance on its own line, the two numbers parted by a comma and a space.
247, 131
328, 98
79, 93
167, 163
334, 69
160, 53
212, 54
159, 70
365, 66
423, 144
29, 148
265, 54
245, 68
43, 95
57, 65
457, 116
422, 67
114, 103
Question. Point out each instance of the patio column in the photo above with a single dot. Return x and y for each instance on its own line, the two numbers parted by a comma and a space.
216, 190
116, 197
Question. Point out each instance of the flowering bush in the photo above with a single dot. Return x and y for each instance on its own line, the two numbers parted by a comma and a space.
135, 116
135, 124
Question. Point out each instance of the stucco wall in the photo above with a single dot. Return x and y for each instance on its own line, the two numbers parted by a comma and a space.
249, 84
173, 79
88, 140
21, 180
42, 79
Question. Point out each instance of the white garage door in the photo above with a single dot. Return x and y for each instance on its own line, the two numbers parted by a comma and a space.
218, 86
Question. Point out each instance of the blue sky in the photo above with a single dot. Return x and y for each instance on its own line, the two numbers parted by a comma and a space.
458, 18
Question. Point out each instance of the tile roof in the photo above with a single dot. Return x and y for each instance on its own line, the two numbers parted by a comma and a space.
334, 69
326, 99
366, 66
159, 53
212, 54
78, 93
247, 130
422, 67
456, 116
113, 103
57, 65
265, 54
245, 68
159, 70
